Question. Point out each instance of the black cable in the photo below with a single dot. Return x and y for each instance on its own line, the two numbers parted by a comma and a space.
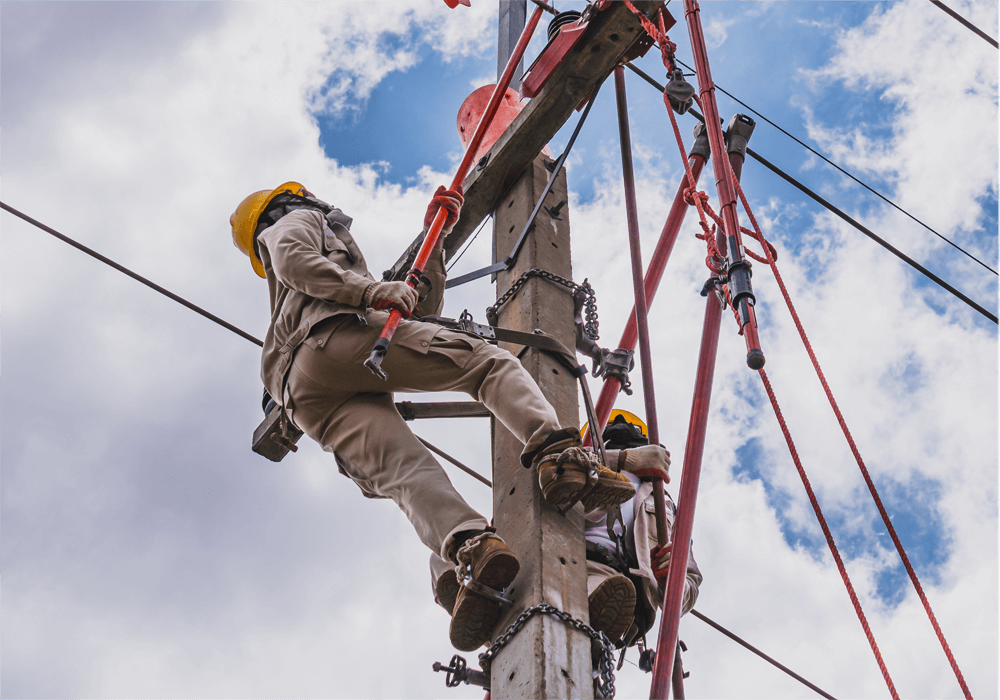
967, 23
139, 278
860, 182
805, 190
761, 654
469, 244
909, 261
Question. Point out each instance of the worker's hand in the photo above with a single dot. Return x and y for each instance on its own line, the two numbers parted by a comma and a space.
660, 559
392, 295
649, 461
452, 201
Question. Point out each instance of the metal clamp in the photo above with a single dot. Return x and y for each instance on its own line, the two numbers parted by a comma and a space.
466, 580
615, 364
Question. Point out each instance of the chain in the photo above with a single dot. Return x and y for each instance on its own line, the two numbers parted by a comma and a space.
590, 298
606, 684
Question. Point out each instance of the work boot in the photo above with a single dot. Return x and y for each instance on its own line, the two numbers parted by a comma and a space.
446, 590
491, 563
612, 606
566, 474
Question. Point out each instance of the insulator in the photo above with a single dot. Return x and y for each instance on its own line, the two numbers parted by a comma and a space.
568, 17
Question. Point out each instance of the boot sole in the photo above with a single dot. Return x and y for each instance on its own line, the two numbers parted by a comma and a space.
475, 616
560, 489
608, 493
612, 607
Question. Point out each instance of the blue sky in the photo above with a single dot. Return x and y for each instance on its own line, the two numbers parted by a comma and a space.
148, 553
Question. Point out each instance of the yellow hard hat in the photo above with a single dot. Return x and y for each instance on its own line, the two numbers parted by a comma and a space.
244, 219
629, 418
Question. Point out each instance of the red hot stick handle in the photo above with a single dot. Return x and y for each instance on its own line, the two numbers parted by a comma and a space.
374, 361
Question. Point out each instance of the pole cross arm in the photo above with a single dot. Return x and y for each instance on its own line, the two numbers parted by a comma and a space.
609, 36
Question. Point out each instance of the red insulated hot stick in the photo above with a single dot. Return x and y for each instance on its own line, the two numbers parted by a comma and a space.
654, 273
374, 361
641, 304
739, 268
687, 497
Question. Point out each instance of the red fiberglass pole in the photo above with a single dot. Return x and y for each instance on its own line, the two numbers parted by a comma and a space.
654, 273
641, 305
666, 645
739, 268
374, 361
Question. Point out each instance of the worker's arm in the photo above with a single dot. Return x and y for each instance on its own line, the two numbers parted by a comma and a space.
434, 270
692, 581
309, 259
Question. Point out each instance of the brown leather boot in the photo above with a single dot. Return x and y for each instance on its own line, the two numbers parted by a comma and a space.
489, 562
446, 590
612, 606
568, 473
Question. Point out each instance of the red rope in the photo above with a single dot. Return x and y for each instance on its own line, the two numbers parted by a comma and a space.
854, 448
714, 261
827, 534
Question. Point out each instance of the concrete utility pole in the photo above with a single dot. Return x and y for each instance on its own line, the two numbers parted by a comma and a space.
512, 17
547, 659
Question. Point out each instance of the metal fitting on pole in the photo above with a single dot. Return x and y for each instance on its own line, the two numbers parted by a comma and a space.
738, 133
701, 146
738, 281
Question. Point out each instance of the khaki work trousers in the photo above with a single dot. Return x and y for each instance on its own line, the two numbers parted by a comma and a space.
339, 403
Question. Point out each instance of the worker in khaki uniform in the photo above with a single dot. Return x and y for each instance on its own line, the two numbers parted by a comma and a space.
326, 313
624, 564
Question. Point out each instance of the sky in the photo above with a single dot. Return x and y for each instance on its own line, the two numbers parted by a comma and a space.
147, 552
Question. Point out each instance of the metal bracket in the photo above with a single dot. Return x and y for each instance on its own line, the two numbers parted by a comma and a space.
465, 323
466, 580
615, 364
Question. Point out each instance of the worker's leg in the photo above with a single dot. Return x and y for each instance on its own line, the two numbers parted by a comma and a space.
374, 447
427, 357
611, 598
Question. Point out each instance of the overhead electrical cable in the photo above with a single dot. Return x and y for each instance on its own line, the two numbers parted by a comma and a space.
805, 190
469, 244
758, 652
816, 153
857, 180
133, 275
967, 23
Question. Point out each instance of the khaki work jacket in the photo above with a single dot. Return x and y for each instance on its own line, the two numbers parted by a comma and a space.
316, 271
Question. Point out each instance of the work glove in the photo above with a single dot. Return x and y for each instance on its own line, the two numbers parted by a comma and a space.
452, 201
649, 460
391, 295
660, 559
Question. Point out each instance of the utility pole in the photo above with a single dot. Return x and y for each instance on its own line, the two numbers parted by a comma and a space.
546, 659
512, 16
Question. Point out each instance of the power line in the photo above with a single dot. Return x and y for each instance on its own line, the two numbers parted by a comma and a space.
902, 256
967, 23
860, 182
805, 190
469, 244
133, 275
761, 654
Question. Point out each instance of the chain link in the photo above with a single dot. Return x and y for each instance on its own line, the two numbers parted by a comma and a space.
591, 324
606, 683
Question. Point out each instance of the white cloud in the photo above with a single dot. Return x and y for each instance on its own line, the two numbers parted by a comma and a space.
148, 553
